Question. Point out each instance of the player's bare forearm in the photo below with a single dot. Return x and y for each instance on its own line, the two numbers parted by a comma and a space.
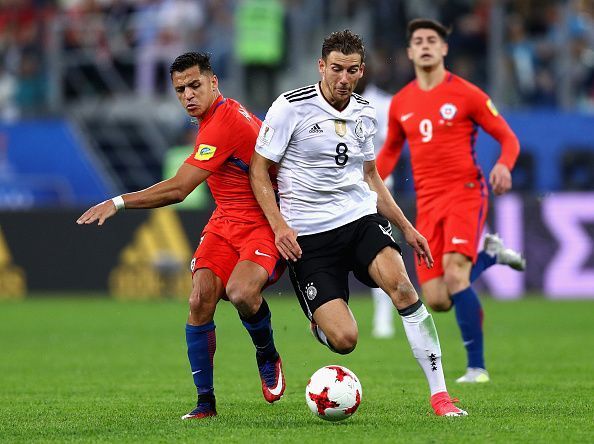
285, 236
164, 193
264, 192
158, 195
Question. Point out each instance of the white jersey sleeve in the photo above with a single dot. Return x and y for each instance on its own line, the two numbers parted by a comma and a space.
276, 130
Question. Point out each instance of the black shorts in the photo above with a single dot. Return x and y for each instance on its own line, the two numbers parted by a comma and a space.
321, 274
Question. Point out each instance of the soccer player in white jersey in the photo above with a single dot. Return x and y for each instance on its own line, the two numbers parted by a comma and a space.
383, 309
320, 139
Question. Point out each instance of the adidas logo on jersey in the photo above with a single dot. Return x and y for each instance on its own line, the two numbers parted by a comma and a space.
316, 129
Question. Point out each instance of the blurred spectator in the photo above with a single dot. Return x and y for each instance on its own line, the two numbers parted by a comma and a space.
8, 88
219, 36
164, 30
120, 38
106, 47
31, 85
259, 46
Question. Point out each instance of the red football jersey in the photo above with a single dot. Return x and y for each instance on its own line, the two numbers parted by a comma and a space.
224, 145
441, 127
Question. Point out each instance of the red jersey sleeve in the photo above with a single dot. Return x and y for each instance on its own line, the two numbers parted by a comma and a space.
212, 148
486, 115
392, 147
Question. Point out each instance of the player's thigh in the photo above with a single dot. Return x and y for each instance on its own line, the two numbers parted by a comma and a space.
256, 246
464, 223
373, 235
456, 271
337, 322
321, 274
246, 282
216, 254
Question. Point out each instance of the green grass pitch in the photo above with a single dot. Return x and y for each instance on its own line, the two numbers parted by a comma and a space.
96, 370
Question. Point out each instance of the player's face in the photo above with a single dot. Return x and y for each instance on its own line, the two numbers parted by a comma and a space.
340, 74
195, 91
427, 49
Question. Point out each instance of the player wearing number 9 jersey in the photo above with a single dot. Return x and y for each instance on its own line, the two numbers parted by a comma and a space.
320, 136
439, 113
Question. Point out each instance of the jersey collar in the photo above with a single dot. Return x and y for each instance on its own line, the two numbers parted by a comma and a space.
330, 108
447, 78
218, 102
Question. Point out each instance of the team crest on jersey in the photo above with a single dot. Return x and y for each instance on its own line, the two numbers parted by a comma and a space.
448, 111
205, 152
340, 127
492, 108
359, 129
265, 135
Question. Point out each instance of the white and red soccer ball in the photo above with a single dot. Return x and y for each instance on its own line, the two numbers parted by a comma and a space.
333, 393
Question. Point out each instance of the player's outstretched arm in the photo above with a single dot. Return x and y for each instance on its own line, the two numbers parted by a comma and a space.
387, 206
164, 193
285, 236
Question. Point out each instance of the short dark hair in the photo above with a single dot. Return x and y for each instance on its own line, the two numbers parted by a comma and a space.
189, 59
343, 41
424, 23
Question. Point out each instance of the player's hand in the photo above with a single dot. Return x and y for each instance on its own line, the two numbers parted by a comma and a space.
420, 245
500, 179
99, 212
285, 239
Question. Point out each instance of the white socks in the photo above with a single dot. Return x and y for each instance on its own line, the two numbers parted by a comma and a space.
383, 314
424, 342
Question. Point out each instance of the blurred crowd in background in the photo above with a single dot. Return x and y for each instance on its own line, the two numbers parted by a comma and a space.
56, 52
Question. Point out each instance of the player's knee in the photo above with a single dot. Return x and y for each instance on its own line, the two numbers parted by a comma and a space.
344, 345
244, 297
455, 279
344, 342
440, 305
202, 303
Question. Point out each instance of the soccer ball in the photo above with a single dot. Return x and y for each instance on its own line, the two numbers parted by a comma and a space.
333, 393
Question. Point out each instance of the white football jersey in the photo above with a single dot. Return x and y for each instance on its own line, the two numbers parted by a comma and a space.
320, 152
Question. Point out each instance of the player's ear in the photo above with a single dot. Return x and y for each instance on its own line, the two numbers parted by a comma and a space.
362, 70
214, 82
444, 51
321, 66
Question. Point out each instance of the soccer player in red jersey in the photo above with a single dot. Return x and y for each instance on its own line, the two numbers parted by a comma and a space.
439, 113
237, 256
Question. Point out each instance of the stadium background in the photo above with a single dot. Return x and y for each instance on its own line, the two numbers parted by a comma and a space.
87, 112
